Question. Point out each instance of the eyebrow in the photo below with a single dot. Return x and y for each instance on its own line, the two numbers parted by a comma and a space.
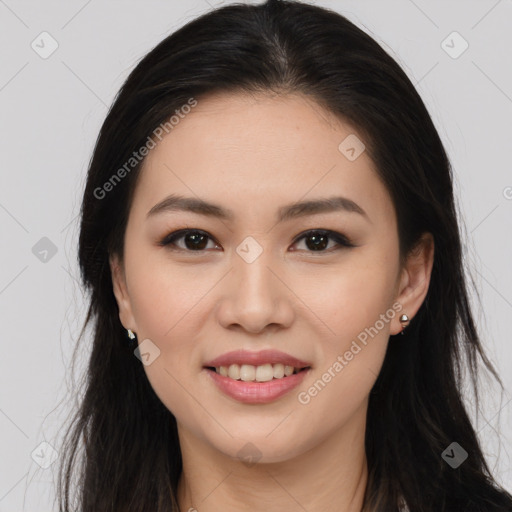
291, 211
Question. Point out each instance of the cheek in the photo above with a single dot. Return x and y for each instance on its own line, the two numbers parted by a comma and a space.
166, 303
165, 296
356, 305
350, 362
360, 318
352, 296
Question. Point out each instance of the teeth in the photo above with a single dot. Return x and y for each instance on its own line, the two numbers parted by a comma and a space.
288, 370
251, 373
278, 371
264, 373
234, 372
247, 372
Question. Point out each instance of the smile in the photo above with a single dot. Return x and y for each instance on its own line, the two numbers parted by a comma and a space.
261, 373
252, 391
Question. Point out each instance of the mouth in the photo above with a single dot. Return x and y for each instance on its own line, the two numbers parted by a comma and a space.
261, 373
240, 382
256, 377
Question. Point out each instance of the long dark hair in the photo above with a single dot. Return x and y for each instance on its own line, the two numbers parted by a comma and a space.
131, 458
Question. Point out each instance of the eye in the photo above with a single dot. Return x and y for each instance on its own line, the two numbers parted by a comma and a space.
316, 240
194, 239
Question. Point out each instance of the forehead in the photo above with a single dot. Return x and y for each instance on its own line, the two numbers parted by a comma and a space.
256, 150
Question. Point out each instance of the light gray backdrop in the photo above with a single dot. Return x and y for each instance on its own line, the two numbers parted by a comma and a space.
62, 62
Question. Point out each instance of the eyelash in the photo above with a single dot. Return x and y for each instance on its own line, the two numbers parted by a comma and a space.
341, 240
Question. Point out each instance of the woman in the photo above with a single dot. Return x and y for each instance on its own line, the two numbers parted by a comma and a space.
279, 304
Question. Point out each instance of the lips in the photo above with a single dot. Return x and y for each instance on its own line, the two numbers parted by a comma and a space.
256, 377
260, 358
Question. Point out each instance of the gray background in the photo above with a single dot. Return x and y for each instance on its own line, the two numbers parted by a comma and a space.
52, 109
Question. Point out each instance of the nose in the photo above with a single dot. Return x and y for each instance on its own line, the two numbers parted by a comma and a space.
257, 298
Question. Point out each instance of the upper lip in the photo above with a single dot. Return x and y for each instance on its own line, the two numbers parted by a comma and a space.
256, 359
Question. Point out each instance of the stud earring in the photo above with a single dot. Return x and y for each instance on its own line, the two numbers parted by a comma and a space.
404, 320
130, 334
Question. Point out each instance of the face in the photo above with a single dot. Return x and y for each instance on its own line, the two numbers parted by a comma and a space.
319, 288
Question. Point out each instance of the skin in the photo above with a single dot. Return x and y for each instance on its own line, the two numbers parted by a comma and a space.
253, 154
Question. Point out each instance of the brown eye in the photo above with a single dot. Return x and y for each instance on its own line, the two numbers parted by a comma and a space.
193, 240
318, 240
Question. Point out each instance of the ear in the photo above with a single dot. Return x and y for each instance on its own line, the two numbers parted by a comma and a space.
121, 293
414, 280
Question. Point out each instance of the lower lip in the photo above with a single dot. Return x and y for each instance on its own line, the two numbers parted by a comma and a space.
257, 392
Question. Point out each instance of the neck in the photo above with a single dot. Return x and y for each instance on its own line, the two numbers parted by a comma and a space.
329, 477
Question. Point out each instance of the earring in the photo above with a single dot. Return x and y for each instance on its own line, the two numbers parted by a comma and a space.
404, 320
130, 334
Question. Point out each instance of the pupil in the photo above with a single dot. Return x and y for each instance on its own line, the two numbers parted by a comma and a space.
319, 241
196, 237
